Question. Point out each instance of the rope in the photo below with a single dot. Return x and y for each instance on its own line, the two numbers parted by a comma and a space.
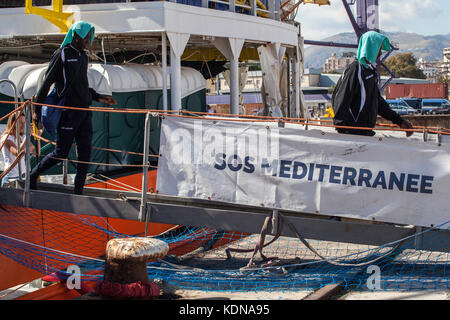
12, 291
96, 148
260, 245
13, 164
285, 118
301, 121
99, 109
306, 243
119, 184
11, 102
12, 112
50, 249
179, 267
244, 118
311, 124
107, 164
359, 128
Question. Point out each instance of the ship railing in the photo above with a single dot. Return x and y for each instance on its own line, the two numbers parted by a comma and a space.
28, 105
266, 8
271, 9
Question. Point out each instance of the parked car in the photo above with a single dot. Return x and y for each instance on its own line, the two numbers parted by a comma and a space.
415, 103
435, 106
445, 107
401, 110
401, 107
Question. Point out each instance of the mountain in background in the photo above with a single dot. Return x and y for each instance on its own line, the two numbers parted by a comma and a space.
427, 47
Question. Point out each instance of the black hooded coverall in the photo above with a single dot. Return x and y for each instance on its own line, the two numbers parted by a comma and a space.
357, 101
68, 71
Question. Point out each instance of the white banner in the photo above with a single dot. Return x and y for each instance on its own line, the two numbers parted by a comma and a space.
384, 179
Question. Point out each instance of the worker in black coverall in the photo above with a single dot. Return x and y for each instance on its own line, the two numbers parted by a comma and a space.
356, 100
70, 61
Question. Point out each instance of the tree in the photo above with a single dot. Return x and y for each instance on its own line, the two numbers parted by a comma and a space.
331, 89
444, 79
334, 72
403, 65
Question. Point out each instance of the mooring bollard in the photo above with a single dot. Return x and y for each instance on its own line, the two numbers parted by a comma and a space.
125, 275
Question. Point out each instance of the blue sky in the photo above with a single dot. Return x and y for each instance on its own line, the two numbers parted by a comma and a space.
426, 17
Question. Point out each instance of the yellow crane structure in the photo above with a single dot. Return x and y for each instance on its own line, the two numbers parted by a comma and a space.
63, 20
290, 6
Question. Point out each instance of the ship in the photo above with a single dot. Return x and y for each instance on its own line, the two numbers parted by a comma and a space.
135, 188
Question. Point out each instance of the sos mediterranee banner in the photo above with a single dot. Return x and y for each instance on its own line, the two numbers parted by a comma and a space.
252, 163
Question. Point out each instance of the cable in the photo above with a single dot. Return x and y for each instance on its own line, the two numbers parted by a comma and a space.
306, 243
143, 54
115, 183
50, 249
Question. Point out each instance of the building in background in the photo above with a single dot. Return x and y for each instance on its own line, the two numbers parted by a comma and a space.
446, 62
219, 85
221, 103
316, 87
311, 78
431, 69
338, 64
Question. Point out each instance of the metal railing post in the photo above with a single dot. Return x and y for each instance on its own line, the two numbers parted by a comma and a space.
18, 142
277, 10
271, 4
65, 170
439, 137
232, 6
16, 99
164, 68
145, 162
26, 194
27, 145
425, 135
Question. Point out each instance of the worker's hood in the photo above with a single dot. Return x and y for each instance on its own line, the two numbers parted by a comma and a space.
369, 46
82, 28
